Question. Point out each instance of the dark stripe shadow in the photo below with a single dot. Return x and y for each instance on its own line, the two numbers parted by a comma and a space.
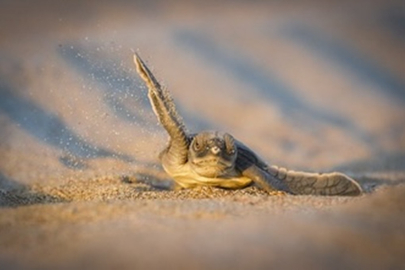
293, 106
50, 129
364, 68
394, 19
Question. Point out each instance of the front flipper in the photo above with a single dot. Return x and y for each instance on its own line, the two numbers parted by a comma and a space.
329, 184
165, 110
261, 179
299, 183
251, 166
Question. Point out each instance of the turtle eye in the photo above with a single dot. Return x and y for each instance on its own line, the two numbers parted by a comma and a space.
198, 145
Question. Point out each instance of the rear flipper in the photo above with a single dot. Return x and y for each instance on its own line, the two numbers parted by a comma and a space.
329, 184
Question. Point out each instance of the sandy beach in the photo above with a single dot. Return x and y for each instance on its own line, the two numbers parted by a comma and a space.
315, 86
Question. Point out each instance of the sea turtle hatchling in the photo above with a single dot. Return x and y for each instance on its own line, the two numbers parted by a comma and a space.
217, 159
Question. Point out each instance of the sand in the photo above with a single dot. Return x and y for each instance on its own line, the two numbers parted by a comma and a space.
316, 86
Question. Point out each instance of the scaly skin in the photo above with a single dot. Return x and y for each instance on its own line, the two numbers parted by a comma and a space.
212, 158
165, 110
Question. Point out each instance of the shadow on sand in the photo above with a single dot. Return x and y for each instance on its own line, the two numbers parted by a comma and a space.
50, 129
340, 54
294, 107
394, 19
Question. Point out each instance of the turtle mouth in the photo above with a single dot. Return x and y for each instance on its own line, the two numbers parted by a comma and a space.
212, 162
212, 167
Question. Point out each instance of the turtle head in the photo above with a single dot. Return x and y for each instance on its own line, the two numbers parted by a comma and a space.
212, 154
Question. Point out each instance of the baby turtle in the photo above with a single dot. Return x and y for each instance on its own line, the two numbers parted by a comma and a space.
212, 158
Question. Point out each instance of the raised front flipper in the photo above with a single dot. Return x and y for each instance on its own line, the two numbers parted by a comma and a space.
165, 110
302, 183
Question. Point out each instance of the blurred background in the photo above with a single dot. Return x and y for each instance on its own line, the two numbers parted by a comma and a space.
309, 84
